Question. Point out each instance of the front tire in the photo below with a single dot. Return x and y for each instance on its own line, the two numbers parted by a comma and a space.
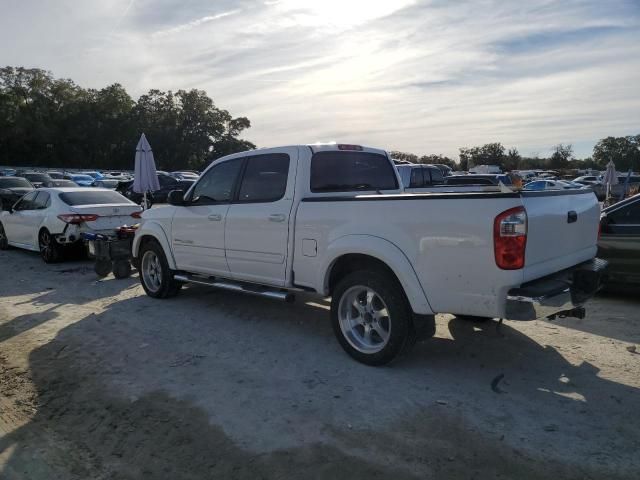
4, 241
155, 275
50, 250
371, 317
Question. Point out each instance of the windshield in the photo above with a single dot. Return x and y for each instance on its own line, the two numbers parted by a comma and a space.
14, 182
93, 197
37, 177
82, 178
60, 183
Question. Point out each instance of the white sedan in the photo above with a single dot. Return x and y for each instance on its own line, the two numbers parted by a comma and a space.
48, 219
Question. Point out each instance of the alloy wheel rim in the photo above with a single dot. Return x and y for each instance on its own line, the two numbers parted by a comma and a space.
151, 271
364, 319
45, 245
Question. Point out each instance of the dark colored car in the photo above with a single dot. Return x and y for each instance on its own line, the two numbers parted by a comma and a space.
55, 175
55, 183
619, 242
479, 179
445, 169
12, 189
110, 183
167, 184
37, 179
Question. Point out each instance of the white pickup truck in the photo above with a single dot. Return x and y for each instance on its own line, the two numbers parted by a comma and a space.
334, 220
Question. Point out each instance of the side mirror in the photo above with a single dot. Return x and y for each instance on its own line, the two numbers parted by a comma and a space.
175, 198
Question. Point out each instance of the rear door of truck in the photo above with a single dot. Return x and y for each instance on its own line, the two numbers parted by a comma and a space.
562, 230
257, 226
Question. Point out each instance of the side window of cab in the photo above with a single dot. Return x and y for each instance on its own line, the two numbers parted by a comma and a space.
27, 202
216, 184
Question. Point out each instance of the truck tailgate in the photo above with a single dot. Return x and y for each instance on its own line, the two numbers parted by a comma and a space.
562, 230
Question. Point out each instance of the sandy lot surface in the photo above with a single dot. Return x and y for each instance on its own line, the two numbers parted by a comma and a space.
98, 381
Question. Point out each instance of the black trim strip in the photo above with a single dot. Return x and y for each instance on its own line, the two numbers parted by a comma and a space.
444, 196
556, 193
395, 196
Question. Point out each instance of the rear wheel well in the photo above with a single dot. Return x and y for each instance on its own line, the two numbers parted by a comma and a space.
424, 325
353, 262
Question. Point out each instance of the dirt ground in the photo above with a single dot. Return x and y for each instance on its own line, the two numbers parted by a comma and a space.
98, 381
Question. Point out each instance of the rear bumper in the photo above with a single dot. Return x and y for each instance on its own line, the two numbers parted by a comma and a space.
561, 293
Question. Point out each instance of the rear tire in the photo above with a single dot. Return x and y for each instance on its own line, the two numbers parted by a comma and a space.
50, 249
371, 317
121, 269
155, 275
102, 268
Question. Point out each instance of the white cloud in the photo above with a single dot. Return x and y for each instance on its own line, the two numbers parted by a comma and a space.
427, 77
193, 23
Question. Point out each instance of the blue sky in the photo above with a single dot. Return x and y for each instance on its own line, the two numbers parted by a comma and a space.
420, 76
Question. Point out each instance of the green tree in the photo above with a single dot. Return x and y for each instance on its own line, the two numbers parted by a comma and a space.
512, 159
561, 156
409, 157
438, 159
488, 154
52, 122
623, 151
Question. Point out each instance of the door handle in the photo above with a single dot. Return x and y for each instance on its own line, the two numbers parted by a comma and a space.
215, 217
277, 217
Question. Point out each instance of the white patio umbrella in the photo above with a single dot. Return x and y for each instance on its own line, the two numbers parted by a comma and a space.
610, 177
145, 177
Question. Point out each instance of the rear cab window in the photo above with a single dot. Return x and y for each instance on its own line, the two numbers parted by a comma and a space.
93, 197
351, 171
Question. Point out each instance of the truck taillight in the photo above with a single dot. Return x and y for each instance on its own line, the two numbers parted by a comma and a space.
510, 238
77, 218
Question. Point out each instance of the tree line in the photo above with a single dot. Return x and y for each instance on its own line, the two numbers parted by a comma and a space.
52, 122
623, 151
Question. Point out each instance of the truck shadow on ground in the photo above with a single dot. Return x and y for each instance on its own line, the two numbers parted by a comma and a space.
133, 392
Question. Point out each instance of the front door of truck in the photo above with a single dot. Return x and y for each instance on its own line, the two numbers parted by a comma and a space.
198, 227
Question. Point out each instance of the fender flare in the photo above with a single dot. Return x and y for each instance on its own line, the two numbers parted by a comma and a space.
153, 229
384, 251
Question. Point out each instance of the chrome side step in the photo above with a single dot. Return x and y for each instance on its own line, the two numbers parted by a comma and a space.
238, 287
